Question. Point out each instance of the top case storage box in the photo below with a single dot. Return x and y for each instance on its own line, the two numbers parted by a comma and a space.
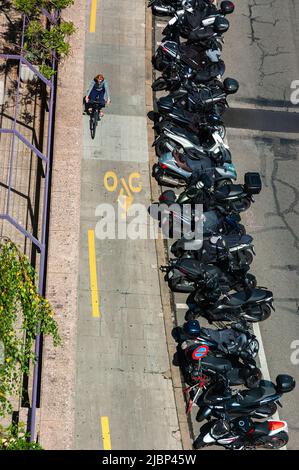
253, 183
285, 383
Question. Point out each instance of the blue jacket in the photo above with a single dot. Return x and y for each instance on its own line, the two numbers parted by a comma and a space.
103, 88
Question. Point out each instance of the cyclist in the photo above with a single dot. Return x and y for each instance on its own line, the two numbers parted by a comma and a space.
98, 90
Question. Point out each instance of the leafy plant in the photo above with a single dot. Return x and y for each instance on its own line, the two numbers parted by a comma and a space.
32, 6
15, 437
23, 313
40, 41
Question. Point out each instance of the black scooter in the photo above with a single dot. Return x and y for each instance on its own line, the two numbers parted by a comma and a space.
207, 100
170, 7
231, 252
219, 399
253, 305
232, 198
187, 275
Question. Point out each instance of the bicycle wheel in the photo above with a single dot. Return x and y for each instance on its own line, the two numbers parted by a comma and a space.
93, 124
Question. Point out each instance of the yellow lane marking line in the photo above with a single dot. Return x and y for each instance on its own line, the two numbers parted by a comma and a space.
93, 275
106, 433
93, 16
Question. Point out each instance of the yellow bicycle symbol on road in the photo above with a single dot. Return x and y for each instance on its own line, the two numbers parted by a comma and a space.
125, 197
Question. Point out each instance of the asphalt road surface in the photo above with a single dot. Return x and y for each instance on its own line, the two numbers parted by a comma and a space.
260, 51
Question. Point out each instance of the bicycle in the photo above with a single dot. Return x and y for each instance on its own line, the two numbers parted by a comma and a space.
94, 117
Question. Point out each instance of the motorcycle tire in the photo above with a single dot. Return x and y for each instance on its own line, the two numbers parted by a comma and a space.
241, 206
199, 418
190, 316
258, 313
248, 257
266, 411
159, 84
274, 442
199, 443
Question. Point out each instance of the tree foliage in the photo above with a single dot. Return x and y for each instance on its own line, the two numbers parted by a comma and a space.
23, 313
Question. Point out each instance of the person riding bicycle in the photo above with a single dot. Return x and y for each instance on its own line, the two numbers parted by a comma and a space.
98, 91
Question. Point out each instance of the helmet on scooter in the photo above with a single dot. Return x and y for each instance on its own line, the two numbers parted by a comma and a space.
192, 328
221, 25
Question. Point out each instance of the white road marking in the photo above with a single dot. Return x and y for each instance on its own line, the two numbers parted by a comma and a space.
181, 306
159, 24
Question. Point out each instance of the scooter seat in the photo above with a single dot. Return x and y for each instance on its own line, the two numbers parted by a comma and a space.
186, 134
227, 339
252, 295
234, 240
191, 267
256, 395
216, 364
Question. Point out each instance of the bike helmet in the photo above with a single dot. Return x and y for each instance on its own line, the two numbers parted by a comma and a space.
227, 8
192, 328
231, 86
221, 25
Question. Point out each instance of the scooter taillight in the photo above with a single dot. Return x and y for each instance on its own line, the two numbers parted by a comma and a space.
274, 425
163, 166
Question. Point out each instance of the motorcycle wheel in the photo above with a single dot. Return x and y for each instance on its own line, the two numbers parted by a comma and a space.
275, 442
159, 84
248, 257
262, 314
266, 410
266, 312
199, 443
199, 418
243, 207
190, 316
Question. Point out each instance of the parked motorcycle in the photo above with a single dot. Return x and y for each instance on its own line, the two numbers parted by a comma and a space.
198, 67
243, 434
170, 7
219, 400
232, 252
175, 169
187, 275
233, 198
234, 341
253, 305
192, 24
173, 138
207, 100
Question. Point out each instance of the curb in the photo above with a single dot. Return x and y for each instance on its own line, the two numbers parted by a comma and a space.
161, 249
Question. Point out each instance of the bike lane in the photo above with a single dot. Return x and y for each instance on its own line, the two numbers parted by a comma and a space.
124, 391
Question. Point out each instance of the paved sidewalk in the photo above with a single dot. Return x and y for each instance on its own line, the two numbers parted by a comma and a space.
123, 369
